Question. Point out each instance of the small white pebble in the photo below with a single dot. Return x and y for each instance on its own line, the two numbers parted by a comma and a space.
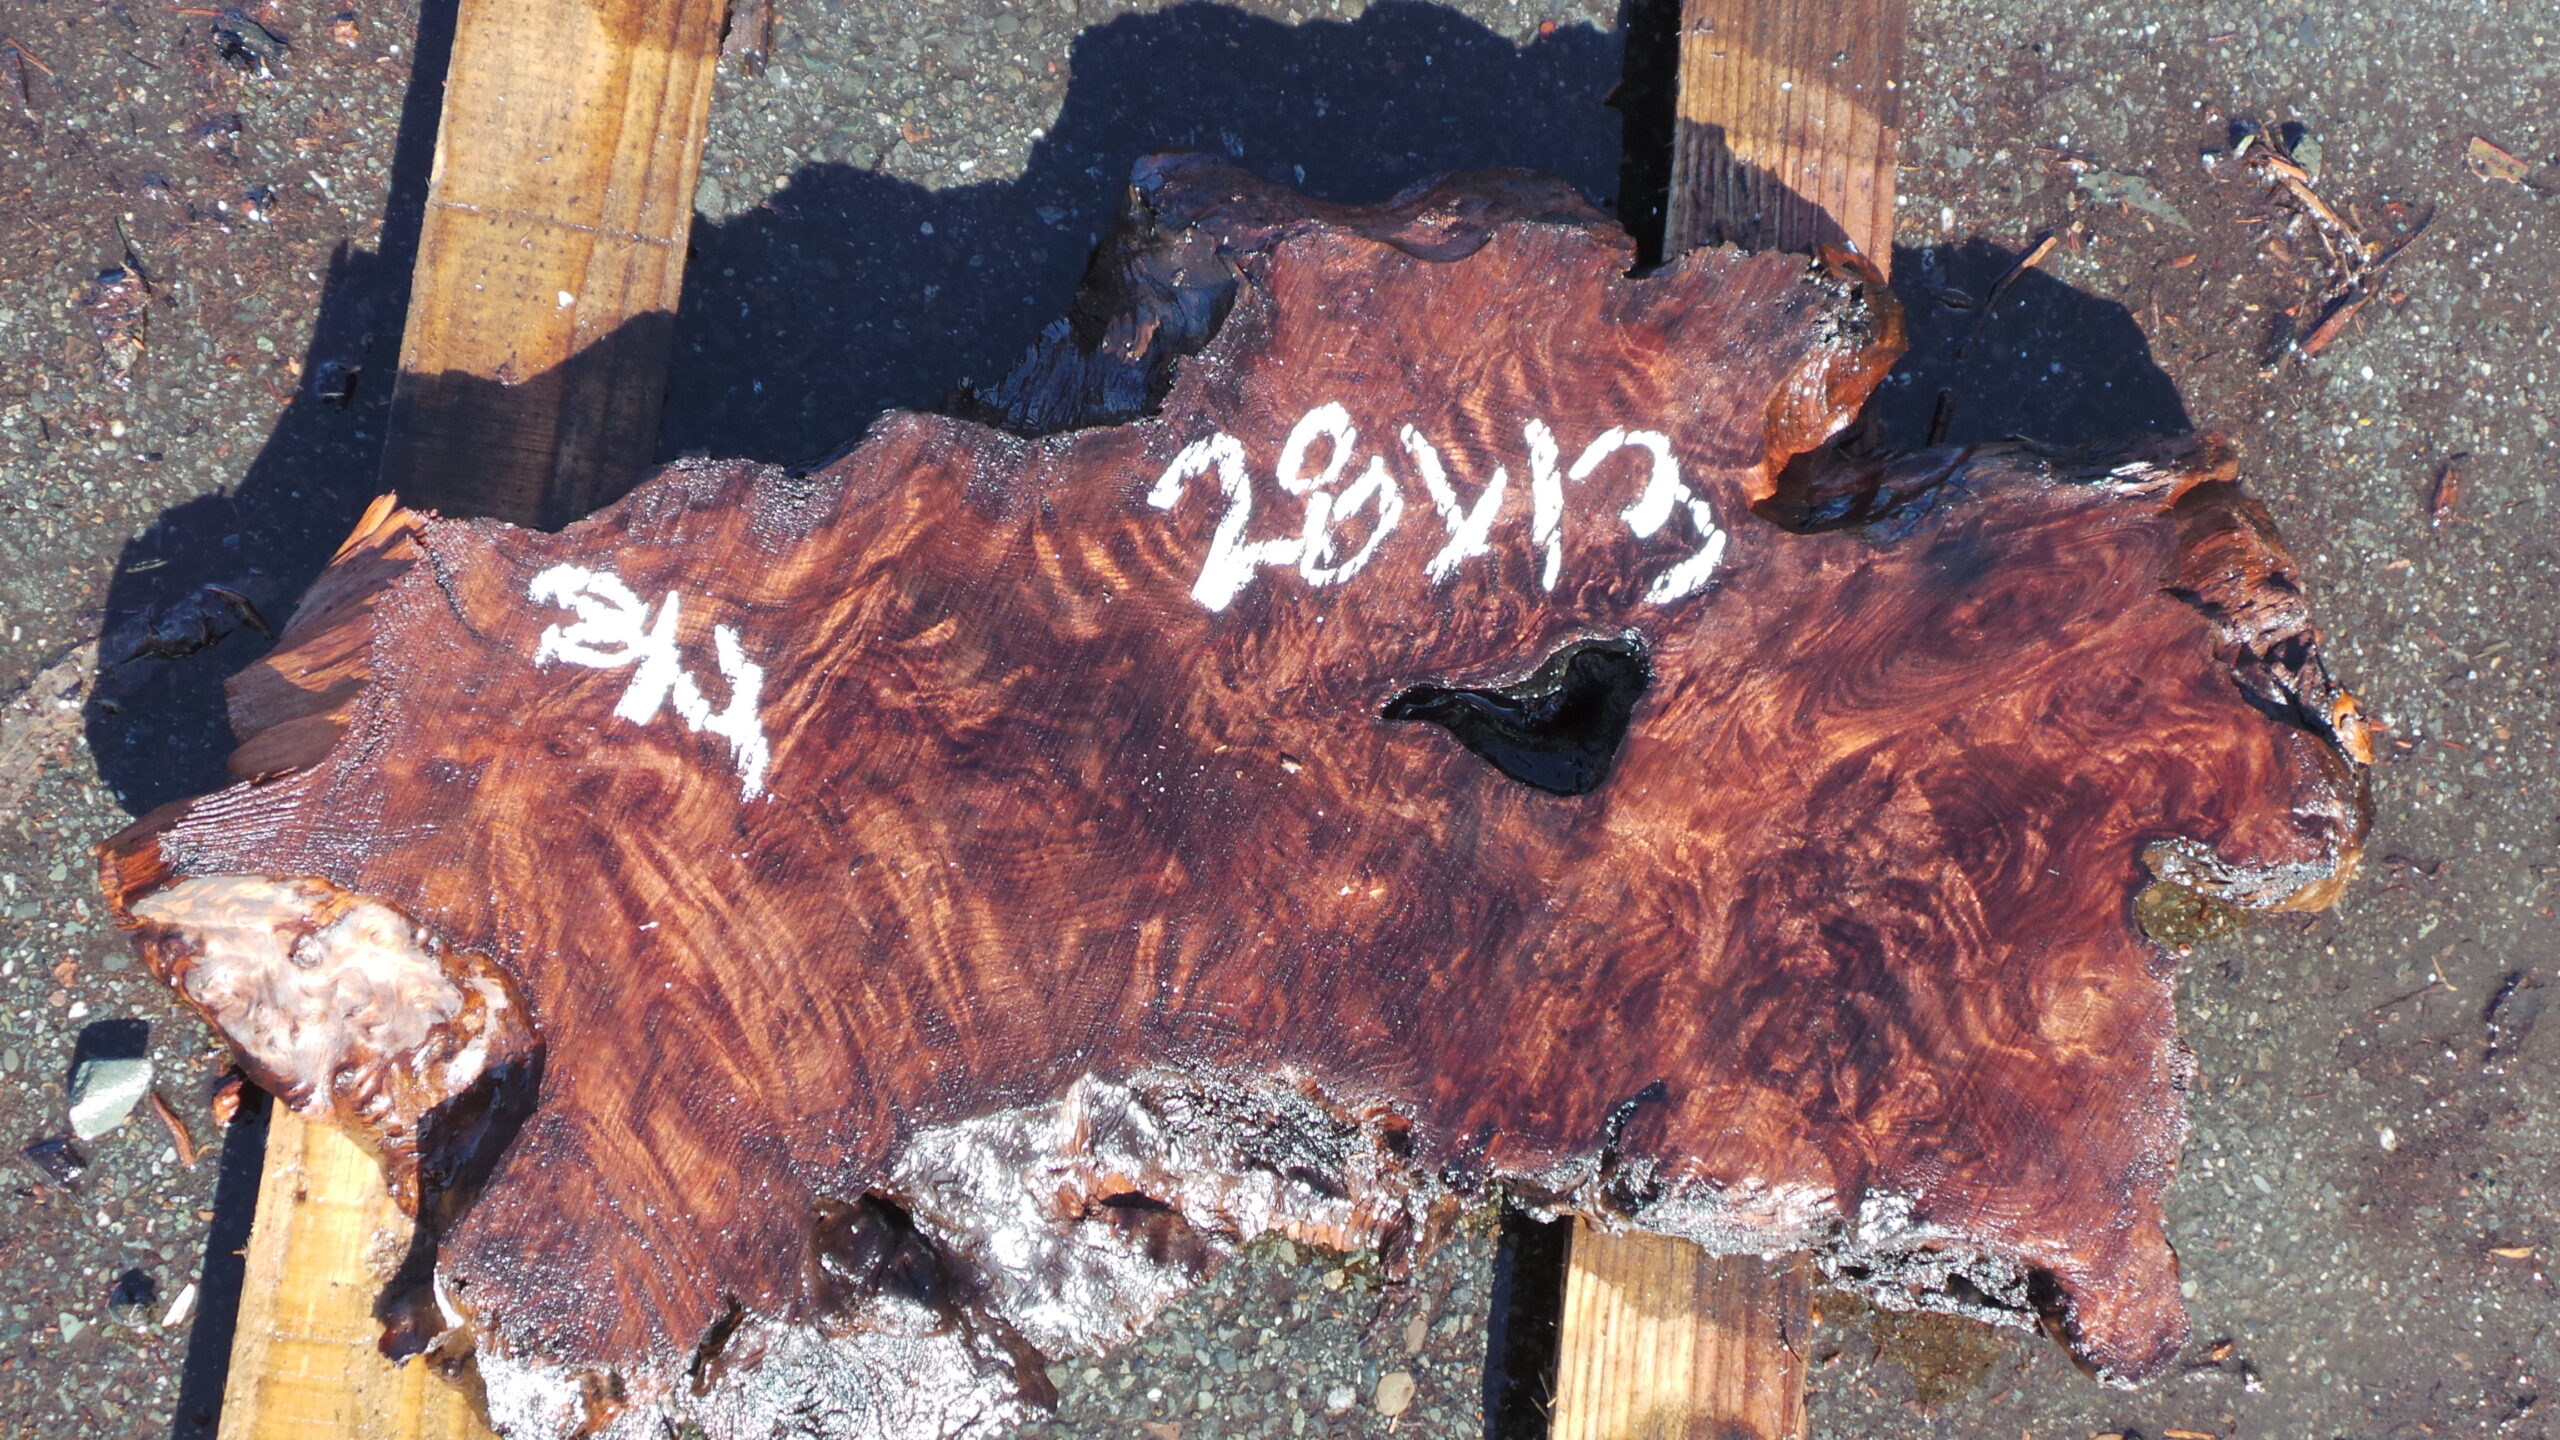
2389, 1140
1395, 1392
567, 299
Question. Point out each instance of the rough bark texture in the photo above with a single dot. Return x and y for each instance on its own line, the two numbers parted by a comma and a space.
904, 920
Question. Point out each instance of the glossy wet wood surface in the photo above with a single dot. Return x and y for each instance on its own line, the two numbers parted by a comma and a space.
1042, 776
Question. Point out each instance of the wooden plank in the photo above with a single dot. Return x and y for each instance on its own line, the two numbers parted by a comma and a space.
532, 371
1789, 119
1663, 1341
303, 1362
533, 367
1789, 116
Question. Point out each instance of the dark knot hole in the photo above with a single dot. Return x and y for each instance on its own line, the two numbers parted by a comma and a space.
1559, 729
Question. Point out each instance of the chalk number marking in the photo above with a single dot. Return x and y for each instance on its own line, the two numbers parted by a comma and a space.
1233, 560
614, 629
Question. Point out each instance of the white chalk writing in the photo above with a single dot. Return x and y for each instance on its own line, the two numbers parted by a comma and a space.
1234, 560
614, 629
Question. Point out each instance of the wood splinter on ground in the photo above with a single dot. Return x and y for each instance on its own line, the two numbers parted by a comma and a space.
2444, 497
2356, 263
1391, 708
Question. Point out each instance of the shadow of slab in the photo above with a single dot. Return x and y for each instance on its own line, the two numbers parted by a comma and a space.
2047, 362
849, 292
845, 294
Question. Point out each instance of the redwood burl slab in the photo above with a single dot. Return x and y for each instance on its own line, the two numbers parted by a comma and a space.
814, 945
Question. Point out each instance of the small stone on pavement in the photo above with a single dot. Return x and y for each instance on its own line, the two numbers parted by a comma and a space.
104, 1092
1395, 1392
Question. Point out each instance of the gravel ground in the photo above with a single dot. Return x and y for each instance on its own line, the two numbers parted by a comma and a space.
903, 197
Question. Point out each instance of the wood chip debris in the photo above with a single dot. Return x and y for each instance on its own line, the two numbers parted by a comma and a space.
2495, 162
2446, 493
749, 38
2513, 1252
2492, 161
226, 1100
2297, 182
180, 1138
118, 305
2353, 260
20, 58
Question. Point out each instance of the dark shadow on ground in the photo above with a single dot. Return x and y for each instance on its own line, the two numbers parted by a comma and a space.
845, 294
155, 721
1524, 1325
235, 1205
848, 293
2052, 363
1648, 97
120, 1039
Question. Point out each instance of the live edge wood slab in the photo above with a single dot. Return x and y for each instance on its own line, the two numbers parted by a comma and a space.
1390, 706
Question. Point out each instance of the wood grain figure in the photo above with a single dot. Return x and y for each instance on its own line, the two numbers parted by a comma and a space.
1392, 707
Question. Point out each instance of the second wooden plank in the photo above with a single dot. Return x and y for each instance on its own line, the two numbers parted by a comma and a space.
1789, 115
1663, 1341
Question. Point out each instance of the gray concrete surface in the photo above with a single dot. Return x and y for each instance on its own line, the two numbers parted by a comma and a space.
905, 196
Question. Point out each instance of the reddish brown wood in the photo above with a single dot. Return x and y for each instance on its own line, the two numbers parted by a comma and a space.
1070, 928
